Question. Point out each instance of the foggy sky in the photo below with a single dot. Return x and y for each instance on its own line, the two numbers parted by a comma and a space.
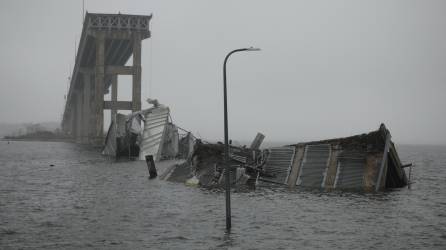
326, 69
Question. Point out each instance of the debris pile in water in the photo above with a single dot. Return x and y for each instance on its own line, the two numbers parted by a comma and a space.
207, 165
366, 162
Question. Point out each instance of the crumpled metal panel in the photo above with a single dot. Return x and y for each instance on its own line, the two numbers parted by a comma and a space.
153, 134
116, 130
350, 171
110, 141
238, 158
314, 166
170, 145
279, 164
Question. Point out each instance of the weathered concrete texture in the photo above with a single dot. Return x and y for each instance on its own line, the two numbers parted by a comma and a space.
79, 116
107, 42
298, 157
371, 170
98, 103
114, 97
332, 168
86, 117
136, 78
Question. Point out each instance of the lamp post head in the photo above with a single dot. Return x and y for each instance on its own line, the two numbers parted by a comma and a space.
252, 49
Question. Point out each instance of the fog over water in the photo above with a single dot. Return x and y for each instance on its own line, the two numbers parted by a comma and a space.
326, 69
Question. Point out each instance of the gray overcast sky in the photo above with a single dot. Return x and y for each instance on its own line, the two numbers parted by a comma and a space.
326, 69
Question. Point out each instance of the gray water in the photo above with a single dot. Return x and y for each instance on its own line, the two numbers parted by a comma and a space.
88, 201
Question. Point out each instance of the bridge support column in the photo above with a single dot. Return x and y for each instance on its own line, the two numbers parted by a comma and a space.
114, 97
99, 90
71, 122
79, 118
136, 79
86, 106
74, 116
106, 39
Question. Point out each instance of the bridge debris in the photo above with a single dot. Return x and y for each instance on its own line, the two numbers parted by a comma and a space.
366, 162
151, 167
159, 137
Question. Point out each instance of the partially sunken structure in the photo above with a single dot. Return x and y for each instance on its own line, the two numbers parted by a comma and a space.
367, 162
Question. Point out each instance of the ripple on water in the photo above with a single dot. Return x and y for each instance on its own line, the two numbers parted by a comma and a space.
87, 201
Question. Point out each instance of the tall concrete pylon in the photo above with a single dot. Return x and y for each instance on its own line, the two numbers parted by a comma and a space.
107, 42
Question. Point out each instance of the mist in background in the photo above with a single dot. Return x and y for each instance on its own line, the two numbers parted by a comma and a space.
326, 69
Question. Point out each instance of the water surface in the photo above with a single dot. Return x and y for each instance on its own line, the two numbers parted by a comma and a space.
56, 195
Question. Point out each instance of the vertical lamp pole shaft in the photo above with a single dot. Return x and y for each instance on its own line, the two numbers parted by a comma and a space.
226, 151
226, 159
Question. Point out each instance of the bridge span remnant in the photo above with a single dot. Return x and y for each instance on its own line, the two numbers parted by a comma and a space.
106, 44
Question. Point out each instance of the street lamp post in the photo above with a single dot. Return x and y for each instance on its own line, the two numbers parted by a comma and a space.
226, 157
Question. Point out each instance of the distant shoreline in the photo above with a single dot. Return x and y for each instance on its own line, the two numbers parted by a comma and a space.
38, 139
269, 144
42, 135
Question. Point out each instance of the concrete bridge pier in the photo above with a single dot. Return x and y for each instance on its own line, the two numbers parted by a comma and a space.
98, 99
86, 107
87, 125
107, 43
79, 117
112, 72
136, 77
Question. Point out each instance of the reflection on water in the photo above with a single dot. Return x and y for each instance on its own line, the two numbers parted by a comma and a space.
60, 195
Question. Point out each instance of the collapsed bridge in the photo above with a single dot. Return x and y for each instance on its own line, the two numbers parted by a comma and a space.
106, 44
